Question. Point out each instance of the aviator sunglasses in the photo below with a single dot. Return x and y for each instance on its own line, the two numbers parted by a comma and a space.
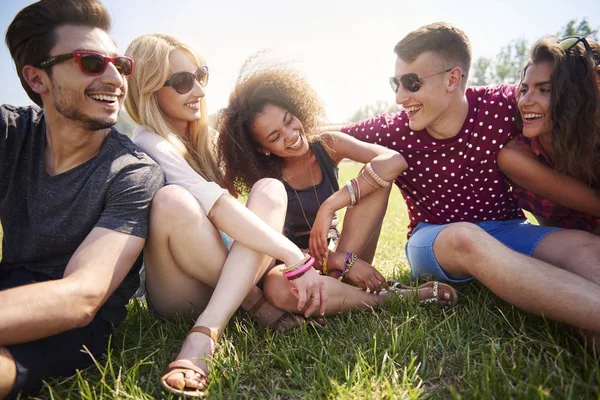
411, 81
567, 43
92, 63
183, 82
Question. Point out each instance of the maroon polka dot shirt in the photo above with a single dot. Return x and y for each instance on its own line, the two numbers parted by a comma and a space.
455, 179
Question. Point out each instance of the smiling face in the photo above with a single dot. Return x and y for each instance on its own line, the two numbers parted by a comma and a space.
181, 109
425, 108
534, 100
93, 101
279, 132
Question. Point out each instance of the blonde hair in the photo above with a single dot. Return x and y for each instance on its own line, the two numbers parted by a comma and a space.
152, 54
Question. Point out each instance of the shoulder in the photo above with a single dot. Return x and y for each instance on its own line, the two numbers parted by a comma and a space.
513, 153
497, 94
123, 155
15, 117
371, 128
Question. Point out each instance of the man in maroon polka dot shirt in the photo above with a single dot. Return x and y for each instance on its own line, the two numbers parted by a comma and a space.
464, 223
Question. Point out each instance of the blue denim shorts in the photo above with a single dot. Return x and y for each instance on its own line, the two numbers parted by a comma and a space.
518, 234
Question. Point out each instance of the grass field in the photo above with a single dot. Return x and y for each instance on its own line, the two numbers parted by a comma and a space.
483, 348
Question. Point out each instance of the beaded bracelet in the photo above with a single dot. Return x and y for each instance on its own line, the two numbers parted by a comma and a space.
368, 179
356, 189
292, 267
352, 195
324, 263
300, 270
380, 181
348, 263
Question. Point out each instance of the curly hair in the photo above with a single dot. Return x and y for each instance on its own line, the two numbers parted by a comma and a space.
574, 109
256, 87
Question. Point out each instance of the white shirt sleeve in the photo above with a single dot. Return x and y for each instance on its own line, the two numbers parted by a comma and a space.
177, 170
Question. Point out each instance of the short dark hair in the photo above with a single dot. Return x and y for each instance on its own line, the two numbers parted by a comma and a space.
32, 33
441, 38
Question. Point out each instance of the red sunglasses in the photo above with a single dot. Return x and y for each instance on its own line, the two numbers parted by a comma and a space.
92, 63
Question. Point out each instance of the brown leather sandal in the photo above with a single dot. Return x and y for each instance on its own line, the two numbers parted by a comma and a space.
181, 366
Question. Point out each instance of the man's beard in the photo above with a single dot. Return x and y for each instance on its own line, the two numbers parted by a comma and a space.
66, 103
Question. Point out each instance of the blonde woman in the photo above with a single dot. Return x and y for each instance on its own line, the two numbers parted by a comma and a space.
192, 263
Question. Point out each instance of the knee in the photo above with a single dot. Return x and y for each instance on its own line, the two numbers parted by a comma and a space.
173, 202
270, 192
462, 239
277, 291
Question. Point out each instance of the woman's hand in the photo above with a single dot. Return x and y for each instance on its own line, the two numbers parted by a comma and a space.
317, 243
366, 276
312, 294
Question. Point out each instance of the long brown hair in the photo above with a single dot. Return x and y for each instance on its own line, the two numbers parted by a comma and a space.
574, 109
255, 88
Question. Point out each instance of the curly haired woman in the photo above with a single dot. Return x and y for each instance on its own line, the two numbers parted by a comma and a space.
269, 130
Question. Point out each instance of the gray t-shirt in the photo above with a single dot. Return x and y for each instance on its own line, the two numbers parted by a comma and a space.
45, 218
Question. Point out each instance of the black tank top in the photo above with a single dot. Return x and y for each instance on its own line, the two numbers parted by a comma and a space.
305, 199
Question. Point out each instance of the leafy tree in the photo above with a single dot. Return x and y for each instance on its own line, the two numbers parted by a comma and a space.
583, 28
506, 65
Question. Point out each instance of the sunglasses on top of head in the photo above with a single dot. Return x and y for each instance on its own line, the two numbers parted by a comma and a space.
412, 81
567, 43
183, 82
92, 63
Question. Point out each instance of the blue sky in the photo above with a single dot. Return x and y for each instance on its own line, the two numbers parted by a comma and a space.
344, 48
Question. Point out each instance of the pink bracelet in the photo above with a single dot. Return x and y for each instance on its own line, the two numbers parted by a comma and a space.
300, 270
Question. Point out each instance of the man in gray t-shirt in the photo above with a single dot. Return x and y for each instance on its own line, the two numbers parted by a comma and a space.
74, 195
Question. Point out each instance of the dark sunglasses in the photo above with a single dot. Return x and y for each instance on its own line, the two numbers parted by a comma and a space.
183, 82
567, 43
411, 81
92, 63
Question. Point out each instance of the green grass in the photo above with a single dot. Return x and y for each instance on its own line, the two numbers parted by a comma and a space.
483, 348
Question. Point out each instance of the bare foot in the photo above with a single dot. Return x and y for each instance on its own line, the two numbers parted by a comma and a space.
197, 350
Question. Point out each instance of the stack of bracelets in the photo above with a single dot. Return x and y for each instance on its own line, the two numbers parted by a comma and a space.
371, 177
348, 263
295, 271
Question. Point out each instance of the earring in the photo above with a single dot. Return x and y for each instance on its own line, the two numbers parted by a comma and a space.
267, 153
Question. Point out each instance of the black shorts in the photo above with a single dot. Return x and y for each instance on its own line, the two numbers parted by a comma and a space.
54, 356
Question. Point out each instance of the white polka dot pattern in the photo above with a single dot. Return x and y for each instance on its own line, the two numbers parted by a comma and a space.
454, 179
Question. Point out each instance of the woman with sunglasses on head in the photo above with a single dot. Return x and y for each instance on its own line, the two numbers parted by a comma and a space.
269, 129
555, 163
192, 265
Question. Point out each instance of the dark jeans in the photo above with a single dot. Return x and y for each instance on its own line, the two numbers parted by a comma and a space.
54, 356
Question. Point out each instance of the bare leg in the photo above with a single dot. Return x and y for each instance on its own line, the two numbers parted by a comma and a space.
362, 225
341, 296
8, 372
241, 270
575, 251
464, 250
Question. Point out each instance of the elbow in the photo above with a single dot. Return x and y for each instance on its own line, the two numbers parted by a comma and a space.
503, 160
84, 303
399, 165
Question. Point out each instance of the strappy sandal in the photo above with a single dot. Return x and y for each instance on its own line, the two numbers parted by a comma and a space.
395, 286
286, 321
181, 366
